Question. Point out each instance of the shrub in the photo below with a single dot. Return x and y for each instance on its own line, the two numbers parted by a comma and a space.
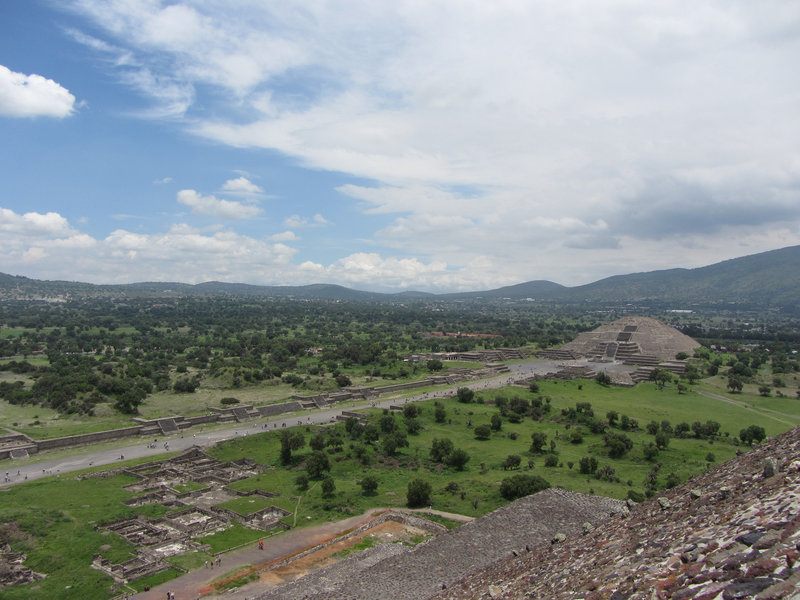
587, 465
483, 432
458, 459
635, 496
521, 485
465, 395
369, 485
441, 449
538, 440
418, 493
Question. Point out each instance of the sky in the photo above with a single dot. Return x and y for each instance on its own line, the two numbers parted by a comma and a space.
433, 145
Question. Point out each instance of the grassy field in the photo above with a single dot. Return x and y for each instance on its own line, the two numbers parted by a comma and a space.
59, 516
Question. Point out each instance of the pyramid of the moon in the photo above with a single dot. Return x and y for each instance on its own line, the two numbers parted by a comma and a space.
631, 336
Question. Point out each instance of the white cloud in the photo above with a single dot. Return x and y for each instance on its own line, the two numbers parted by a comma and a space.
297, 222
33, 96
34, 224
286, 236
215, 207
241, 185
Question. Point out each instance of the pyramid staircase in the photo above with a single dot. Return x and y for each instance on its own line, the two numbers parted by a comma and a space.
168, 426
241, 414
558, 354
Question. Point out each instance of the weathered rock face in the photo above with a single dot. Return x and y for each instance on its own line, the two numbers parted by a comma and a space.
732, 533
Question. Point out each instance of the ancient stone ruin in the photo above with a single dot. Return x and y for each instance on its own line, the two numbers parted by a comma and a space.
12, 569
194, 514
640, 341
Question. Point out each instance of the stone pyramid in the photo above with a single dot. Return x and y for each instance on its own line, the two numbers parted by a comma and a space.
630, 336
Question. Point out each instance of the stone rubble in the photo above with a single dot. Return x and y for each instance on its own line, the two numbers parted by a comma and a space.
731, 533
439, 562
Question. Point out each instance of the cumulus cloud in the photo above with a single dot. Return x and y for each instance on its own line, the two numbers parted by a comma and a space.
47, 246
33, 96
215, 207
241, 185
286, 236
34, 224
296, 221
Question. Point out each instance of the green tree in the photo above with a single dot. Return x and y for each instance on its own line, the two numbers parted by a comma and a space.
419, 493
735, 383
603, 378
411, 411
328, 487
441, 449
753, 433
392, 442
465, 395
458, 459
483, 432
413, 426
587, 465
434, 365
512, 461
316, 464
538, 440
291, 439
521, 485
371, 433
650, 451
617, 443
440, 414
660, 377
497, 422
317, 442
369, 485
387, 423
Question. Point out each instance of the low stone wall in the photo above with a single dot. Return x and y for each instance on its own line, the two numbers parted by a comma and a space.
201, 420
88, 438
399, 387
279, 409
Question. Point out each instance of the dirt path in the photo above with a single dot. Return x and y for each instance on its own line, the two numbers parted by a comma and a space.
768, 412
235, 564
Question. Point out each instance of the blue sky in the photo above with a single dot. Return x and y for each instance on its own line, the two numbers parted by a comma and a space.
438, 145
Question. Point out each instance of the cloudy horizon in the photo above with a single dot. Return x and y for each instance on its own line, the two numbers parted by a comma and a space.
440, 146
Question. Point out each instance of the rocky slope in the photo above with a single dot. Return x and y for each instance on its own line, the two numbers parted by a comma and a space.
731, 533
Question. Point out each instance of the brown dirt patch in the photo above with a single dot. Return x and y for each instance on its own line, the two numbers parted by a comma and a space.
386, 532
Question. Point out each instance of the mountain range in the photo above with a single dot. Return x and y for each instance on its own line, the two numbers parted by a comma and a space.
767, 279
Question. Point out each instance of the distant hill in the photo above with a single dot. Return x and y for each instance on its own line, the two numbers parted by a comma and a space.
766, 279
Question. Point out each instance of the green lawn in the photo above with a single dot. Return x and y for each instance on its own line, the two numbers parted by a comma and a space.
245, 505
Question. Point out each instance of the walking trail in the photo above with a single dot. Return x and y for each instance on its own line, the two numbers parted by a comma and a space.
200, 583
